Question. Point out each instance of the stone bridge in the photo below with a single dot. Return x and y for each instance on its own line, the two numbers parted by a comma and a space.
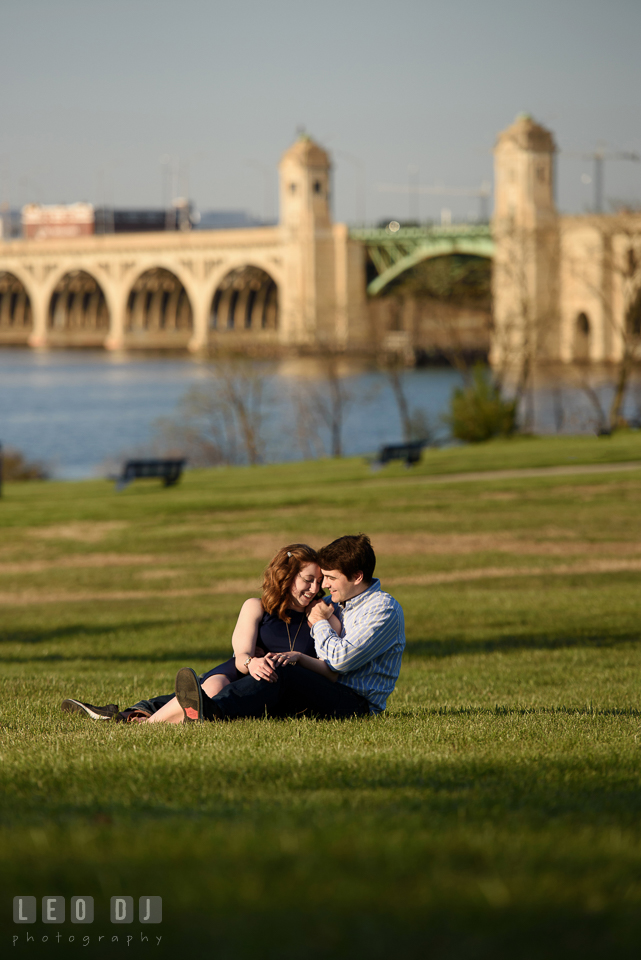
298, 283
564, 288
301, 283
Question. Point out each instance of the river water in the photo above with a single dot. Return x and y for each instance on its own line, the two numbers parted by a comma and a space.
76, 410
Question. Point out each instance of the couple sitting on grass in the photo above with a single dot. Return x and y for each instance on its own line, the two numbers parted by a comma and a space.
349, 647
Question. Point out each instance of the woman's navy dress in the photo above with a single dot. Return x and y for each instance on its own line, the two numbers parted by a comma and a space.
272, 637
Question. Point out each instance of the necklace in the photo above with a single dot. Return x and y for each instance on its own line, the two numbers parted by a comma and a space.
292, 645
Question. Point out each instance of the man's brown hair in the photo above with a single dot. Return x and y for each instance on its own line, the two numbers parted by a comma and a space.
350, 555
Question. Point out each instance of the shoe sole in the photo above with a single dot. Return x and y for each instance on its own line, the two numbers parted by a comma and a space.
75, 706
189, 695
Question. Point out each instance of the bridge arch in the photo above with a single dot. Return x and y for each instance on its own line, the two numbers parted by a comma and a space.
634, 317
245, 301
16, 318
582, 334
158, 310
77, 310
474, 247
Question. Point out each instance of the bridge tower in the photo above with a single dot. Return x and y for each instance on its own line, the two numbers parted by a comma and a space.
525, 228
309, 307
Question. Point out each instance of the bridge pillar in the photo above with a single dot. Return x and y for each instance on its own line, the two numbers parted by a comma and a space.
526, 235
39, 312
308, 303
117, 303
200, 307
350, 281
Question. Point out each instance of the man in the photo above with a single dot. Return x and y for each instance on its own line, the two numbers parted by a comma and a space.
365, 655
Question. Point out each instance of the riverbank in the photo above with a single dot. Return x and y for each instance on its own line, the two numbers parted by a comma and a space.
77, 412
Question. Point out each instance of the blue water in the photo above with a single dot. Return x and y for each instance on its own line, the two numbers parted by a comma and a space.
75, 410
78, 411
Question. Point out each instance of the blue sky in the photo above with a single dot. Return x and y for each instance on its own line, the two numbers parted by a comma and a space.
97, 93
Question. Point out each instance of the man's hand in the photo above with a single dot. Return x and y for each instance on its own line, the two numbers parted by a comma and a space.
322, 611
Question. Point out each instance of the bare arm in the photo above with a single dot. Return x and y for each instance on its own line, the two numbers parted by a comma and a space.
244, 639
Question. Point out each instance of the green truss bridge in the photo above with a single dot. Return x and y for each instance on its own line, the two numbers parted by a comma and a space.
393, 252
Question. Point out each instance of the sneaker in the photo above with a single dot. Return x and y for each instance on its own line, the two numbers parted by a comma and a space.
189, 695
96, 713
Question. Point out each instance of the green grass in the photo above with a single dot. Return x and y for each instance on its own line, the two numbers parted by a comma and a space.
493, 811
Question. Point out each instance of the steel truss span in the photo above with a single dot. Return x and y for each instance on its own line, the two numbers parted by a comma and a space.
394, 249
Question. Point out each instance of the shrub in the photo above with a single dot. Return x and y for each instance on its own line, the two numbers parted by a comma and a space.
479, 412
16, 467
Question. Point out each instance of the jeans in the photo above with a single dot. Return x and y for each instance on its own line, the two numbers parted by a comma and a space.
296, 692
149, 707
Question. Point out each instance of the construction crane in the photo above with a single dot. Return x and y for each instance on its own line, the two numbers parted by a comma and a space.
598, 158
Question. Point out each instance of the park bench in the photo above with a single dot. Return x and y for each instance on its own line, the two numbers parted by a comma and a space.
168, 471
409, 452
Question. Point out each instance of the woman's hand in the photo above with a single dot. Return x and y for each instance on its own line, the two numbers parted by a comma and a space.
288, 657
262, 668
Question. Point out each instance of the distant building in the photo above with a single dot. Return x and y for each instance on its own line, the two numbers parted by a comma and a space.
227, 220
177, 217
10, 226
57, 221
41, 222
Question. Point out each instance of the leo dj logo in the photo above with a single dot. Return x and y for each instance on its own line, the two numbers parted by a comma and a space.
53, 910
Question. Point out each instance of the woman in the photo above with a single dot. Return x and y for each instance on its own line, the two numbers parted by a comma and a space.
267, 627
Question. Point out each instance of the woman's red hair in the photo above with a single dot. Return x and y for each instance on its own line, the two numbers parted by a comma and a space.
280, 575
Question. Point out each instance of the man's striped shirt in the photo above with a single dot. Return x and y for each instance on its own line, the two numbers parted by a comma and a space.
368, 651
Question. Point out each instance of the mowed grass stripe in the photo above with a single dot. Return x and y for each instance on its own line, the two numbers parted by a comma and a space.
491, 812
30, 598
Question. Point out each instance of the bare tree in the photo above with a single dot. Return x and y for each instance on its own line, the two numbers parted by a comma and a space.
524, 275
616, 286
309, 425
628, 325
221, 421
429, 304
321, 408
332, 406
415, 422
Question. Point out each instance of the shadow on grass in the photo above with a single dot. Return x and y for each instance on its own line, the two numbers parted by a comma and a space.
464, 928
415, 648
211, 654
420, 648
451, 648
71, 631
287, 793
32, 637
501, 711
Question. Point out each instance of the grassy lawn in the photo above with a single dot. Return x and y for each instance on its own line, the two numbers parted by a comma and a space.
492, 811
